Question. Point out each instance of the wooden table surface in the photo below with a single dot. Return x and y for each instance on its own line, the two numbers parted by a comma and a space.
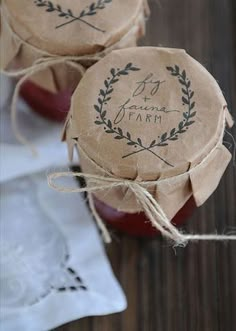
190, 289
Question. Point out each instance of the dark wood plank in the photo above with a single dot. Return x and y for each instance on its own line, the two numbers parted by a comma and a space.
191, 289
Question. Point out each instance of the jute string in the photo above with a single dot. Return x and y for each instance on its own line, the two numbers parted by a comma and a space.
38, 66
148, 204
45, 61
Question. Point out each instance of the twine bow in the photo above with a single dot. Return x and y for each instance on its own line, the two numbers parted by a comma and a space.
149, 205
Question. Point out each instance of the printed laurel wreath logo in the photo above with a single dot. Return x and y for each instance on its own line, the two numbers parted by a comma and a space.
68, 15
165, 138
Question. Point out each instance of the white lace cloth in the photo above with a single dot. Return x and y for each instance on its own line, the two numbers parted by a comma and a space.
53, 268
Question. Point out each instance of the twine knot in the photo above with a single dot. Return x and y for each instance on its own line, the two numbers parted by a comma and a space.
148, 204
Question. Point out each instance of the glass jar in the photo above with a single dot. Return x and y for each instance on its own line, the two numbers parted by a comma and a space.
53, 106
66, 46
149, 137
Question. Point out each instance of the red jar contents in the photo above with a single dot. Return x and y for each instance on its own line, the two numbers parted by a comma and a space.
137, 224
53, 106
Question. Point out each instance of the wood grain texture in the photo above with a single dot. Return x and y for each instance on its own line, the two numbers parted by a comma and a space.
191, 289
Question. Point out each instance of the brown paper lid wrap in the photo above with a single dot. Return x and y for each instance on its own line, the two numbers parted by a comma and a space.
151, 114
87, 29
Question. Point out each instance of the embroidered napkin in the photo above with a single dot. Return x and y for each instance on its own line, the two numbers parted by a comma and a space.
53, 268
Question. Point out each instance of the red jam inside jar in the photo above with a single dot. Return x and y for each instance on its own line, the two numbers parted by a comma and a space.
53, 106
137, 224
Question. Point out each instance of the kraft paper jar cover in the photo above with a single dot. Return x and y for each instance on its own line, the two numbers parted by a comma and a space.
150, 114
32, 29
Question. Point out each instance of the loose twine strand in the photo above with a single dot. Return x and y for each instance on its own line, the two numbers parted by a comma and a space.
233, 146
39, 65
148, 204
